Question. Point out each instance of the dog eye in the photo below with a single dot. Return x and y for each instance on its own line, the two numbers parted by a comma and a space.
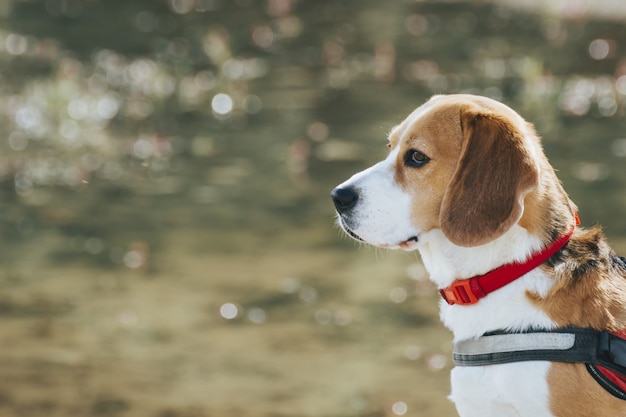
415, 159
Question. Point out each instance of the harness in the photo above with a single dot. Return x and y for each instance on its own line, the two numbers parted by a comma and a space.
602, 352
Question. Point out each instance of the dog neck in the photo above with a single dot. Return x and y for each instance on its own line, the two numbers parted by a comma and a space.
467, 291
549, 216
447, 262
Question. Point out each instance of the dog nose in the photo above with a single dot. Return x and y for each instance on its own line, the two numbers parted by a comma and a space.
344, 198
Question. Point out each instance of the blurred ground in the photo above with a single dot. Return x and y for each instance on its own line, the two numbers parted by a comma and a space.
309, 338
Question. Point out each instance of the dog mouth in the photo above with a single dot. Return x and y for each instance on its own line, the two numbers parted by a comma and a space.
354, 235
405, 244
349, 231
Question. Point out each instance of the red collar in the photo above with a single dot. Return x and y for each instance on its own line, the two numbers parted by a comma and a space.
469, 291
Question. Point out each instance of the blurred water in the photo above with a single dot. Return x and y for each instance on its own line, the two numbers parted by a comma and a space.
167, 239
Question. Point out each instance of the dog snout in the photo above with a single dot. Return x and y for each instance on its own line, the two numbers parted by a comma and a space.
344, 198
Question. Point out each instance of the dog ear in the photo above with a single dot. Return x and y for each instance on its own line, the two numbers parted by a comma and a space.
495, 171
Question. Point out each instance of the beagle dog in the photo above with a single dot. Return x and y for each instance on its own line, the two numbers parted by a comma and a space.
466, 183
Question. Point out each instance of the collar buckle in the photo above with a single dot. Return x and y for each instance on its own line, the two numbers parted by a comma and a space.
460, 292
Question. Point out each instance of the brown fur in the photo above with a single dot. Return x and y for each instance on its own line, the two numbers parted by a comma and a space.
485, 197
548, 211
590, 287
460, 188
574, 392
589, 291
438, 135
487, 172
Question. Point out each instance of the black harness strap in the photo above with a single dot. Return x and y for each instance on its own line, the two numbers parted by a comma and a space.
605, 382
572, 345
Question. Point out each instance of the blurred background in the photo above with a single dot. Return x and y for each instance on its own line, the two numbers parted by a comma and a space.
168, 246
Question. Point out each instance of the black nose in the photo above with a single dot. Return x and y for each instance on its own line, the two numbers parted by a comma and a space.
344, 198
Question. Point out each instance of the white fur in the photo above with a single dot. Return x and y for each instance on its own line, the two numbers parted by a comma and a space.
511, 390
515, 390
382, 217
510, 309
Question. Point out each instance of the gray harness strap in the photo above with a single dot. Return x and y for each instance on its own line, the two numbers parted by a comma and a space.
567, 345
508, 343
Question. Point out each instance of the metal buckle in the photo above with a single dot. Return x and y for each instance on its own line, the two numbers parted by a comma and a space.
460, 292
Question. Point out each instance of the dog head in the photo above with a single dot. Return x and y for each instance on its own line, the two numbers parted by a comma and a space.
459, 163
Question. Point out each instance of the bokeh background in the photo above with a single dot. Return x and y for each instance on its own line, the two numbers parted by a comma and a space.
168, 246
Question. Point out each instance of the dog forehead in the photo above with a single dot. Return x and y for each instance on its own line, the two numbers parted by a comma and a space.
440, 117
479, 104
435, 120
